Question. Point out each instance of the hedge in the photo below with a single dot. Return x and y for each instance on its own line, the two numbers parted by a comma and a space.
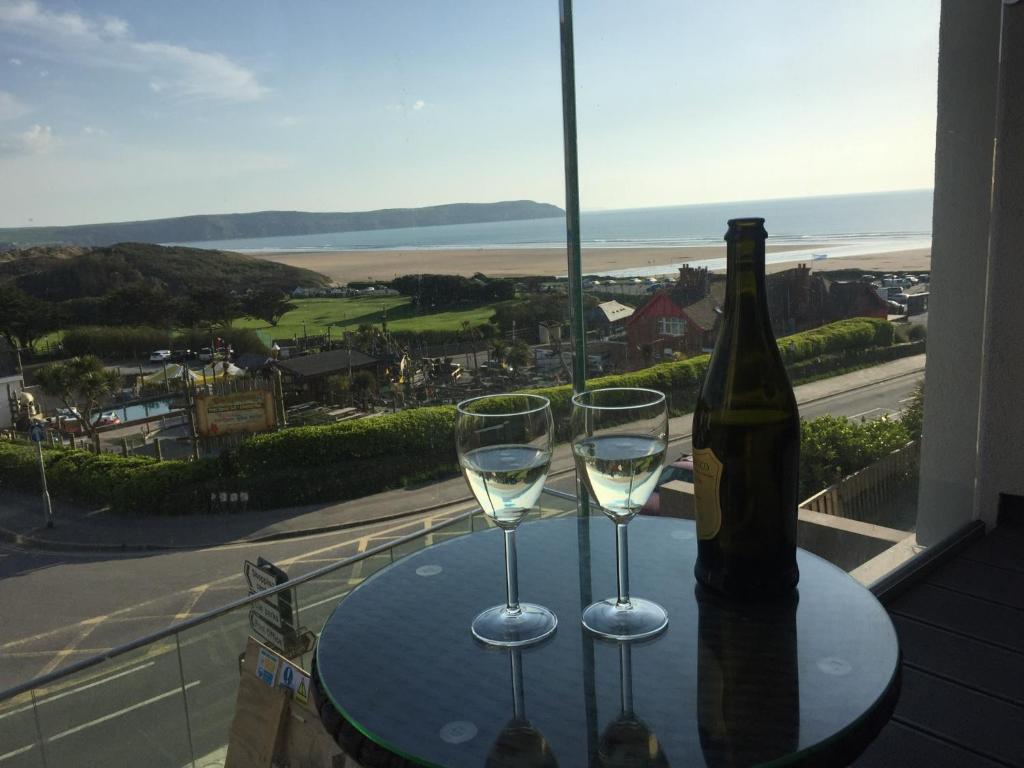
355, 458
132, 484
139, 341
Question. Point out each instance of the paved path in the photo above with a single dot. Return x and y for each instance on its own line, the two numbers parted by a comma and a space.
83, 529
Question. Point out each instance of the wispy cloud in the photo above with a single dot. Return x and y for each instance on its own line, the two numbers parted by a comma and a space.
15, 62
108, 42
10, 107
39, 140
415, 106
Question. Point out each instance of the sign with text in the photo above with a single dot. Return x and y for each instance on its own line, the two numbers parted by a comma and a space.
236, 412
272, 618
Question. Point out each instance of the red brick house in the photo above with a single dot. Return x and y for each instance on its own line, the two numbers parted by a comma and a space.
684, 318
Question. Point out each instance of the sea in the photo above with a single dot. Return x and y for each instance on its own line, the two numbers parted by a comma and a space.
842, 225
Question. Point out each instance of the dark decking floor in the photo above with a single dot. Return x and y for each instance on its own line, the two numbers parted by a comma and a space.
961, 630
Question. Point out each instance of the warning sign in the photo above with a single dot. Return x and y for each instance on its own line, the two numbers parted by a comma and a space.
302, 692
266, 666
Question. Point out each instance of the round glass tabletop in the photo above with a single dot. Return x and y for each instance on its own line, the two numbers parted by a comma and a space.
806, 681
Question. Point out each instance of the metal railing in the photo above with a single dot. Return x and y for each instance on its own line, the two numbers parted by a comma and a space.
167, 699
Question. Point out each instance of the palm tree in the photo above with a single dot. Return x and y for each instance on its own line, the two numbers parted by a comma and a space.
470, 333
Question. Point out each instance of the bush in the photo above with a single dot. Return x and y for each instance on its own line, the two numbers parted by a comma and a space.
832, 447
115, 342
133, 342
127, 484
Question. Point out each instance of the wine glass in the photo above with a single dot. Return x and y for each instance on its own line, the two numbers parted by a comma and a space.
620, 437
628, 742
520, 744
504, 447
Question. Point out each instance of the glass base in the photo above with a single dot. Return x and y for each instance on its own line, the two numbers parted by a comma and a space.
642, 618
496, 626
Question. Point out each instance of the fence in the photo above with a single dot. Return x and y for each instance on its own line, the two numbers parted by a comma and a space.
868, 495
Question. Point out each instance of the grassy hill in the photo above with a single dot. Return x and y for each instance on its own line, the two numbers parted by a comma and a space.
192, 229
60, 274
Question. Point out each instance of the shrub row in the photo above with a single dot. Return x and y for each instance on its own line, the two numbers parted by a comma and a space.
354, 458
139, 341
132, 484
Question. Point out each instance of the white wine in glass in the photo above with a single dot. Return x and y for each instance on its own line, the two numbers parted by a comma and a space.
504, 445
620, 437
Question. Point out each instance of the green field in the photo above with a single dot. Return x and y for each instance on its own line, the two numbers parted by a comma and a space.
348, 314
345, 314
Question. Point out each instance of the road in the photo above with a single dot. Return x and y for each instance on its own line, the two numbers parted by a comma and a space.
60, 608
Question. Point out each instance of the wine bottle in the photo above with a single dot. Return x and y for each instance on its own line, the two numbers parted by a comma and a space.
746, 440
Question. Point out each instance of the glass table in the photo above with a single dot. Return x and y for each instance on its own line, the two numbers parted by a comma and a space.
400, 681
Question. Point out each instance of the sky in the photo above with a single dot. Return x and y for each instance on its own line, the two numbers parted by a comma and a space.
115, 110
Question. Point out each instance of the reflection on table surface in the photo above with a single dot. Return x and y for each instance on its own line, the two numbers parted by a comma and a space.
725, 685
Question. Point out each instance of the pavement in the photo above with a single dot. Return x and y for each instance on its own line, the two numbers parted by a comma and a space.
84, 529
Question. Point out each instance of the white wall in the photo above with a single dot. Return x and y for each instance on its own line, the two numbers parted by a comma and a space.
1000, 463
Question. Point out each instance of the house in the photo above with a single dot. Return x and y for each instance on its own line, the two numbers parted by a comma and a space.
309, 373
608, 317
684, 318
855, 299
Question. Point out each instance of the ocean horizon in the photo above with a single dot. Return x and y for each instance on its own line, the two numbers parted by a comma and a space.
893, 220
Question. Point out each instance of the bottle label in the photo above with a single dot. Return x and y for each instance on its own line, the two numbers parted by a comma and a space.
707, 478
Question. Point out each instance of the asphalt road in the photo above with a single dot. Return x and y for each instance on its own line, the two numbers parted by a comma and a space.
60, 608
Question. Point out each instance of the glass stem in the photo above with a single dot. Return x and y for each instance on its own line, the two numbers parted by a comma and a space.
622, 564
518, 696
511, 573
626, 678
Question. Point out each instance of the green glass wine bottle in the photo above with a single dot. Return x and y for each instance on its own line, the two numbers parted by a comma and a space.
746, 440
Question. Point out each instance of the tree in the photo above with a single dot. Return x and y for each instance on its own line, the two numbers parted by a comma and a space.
913, 414
267, 304
499, 350
139, 304
24, 318
214, 306
518, 356
81, 383
472, 335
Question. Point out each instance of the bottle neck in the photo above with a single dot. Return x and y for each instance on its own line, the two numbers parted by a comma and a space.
745, 295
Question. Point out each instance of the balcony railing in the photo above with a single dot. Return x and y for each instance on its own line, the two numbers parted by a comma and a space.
875, 494
168, 699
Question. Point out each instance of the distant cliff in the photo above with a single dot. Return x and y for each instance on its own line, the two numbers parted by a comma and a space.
193, 229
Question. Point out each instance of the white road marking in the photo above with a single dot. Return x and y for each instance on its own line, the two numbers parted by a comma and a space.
99, 720
85, 687
125, 711
17, 752
873, 410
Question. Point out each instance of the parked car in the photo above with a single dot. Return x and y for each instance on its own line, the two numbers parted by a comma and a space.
681, 469
182, 355
107, 419
159, 355
206, 355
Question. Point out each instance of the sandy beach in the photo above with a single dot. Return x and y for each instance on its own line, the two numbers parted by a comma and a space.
349, 266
